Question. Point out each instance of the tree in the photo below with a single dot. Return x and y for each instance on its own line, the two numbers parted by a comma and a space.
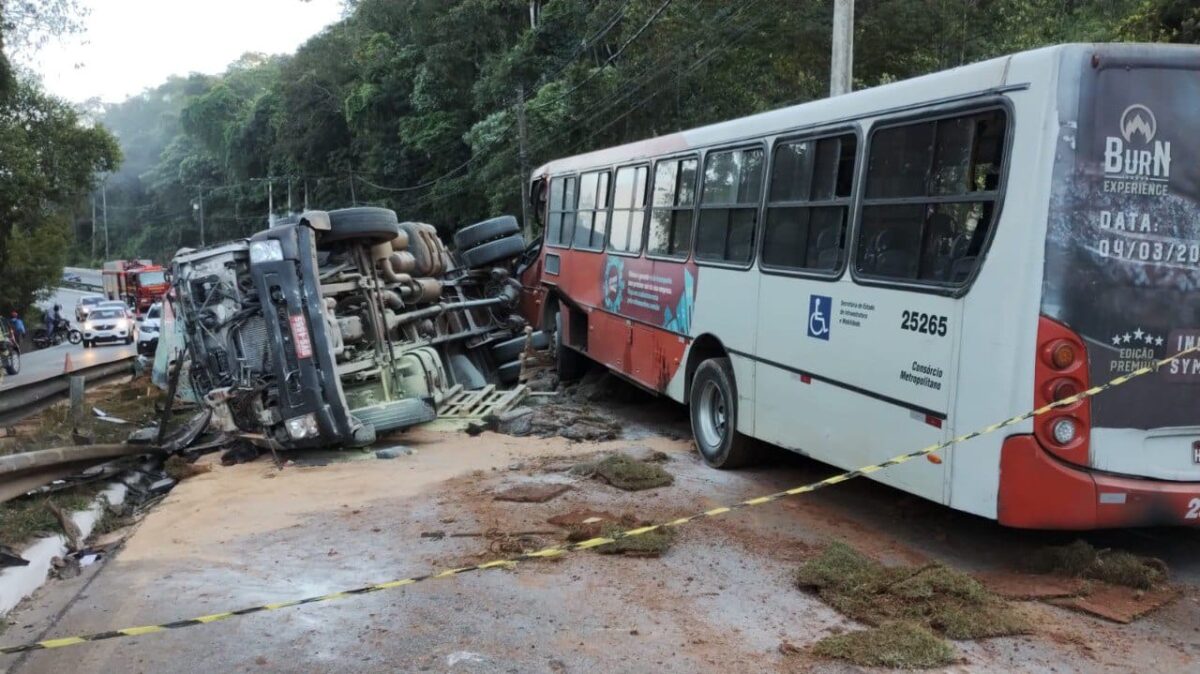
50, 160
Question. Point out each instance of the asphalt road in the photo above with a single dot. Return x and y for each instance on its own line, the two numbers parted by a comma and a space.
89, 276
43, 363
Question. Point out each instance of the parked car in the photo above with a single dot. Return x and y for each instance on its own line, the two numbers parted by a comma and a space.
108, 324
333, 327
85, 305
148, 327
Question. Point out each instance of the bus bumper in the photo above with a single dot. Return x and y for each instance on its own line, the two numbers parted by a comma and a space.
1040, 492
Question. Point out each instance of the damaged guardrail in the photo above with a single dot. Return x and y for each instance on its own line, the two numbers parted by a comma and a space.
20, 401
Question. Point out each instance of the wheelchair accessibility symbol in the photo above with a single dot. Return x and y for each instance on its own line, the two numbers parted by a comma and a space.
819, 309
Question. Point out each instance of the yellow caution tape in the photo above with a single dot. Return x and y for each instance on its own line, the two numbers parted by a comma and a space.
556, 550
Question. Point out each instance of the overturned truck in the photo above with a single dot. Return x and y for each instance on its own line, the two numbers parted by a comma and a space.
332, 327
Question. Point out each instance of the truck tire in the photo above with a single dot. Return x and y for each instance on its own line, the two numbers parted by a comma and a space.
364, 222
481, 232
712, 406
509, 373
487, 254
511, 349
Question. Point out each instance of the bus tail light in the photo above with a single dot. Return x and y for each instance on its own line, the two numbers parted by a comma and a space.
1060, 374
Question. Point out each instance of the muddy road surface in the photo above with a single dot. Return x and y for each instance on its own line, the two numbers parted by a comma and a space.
720, 598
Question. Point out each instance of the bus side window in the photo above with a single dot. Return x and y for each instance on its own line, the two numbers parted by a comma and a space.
672, 204
629, 210
729, 205
811, 186
561, 227
591, 222
931, 197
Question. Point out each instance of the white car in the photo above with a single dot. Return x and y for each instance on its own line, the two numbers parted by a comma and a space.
107, 324
85, 305
148, 327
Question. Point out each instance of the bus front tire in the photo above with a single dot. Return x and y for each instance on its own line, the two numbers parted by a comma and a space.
712, 405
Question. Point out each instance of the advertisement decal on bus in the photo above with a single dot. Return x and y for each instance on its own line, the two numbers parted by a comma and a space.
1123, 239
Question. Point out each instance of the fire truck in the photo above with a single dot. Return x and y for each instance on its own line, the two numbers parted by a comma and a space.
137, 283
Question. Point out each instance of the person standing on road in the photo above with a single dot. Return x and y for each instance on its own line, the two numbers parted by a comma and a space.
18, 326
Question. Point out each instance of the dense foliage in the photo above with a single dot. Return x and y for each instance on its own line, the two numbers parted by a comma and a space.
411, 103
49, 158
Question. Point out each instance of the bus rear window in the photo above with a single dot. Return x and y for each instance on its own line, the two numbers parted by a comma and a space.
932, 188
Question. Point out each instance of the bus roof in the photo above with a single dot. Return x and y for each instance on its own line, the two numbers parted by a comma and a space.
967, 80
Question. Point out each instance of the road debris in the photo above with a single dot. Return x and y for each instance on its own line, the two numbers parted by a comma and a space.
899, 645
652, 544
10, 557
532, 492
394, 452
1116, 603
583, 524
180, 469
106, 417
624, 472
1080, 560
929, 597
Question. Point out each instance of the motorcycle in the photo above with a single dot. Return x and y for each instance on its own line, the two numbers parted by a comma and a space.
62, 331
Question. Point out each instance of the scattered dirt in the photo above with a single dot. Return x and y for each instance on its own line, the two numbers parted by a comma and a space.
583, 524
531, 492
1032, 586
179, 469
932, 596
1081, 560
624, 472
899, 645
650, 544
296, 493
1118, 604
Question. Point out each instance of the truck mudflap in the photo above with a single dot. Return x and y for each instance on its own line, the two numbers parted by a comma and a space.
290, 303
1038, 491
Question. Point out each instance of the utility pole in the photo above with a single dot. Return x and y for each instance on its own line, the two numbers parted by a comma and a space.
534, 11
104, 200
270, 202
306, 194
526, 225
93, 226
353, 197
841, 70
289, 195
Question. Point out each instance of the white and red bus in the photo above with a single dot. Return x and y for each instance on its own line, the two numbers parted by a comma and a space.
860, 276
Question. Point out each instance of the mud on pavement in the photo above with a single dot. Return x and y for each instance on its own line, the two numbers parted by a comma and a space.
721, 596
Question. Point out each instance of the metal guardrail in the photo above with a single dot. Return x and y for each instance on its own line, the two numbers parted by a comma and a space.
20, 401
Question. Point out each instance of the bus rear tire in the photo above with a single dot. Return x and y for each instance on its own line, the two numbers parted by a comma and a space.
712, 405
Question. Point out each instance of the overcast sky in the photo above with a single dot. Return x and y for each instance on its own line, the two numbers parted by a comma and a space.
130, 45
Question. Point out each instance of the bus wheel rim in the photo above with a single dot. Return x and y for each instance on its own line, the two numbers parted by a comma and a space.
714, 416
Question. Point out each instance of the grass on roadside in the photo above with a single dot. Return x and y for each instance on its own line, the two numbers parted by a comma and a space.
24, 518
625, 472
933, 598
897, 645
132, 401
650, 544
1081, 560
